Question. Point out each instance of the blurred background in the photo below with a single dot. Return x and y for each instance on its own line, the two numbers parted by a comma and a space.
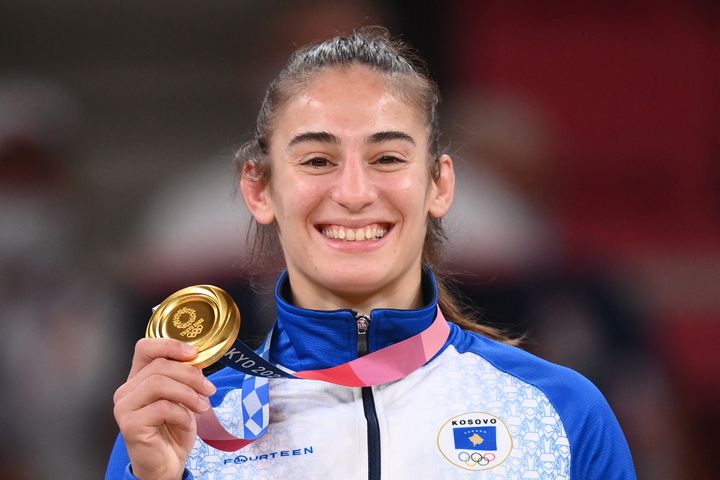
586, 135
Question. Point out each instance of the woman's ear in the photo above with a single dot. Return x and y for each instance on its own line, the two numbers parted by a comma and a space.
443, 188
256, 193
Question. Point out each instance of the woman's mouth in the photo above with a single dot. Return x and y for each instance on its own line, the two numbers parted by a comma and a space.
373, 231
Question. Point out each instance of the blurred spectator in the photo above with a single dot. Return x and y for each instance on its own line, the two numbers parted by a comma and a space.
499, 223
60, 315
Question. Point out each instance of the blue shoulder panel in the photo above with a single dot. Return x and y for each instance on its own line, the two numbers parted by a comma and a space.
598, 448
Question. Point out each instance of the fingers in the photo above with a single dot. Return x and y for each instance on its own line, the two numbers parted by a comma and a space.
154, 407
157, 387
180, 372
155, 415
149, 349
159, 376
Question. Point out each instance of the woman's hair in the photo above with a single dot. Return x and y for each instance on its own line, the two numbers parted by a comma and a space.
408, 78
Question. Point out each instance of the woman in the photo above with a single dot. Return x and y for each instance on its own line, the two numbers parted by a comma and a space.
345, 170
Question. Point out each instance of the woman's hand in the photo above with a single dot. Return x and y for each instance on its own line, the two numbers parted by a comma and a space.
154, 407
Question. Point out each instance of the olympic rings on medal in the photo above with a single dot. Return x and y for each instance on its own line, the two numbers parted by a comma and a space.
476, 458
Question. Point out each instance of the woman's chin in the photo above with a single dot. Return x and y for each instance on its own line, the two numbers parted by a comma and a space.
357, 283
366, 286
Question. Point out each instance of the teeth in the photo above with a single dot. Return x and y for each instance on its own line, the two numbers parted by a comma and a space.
370, 232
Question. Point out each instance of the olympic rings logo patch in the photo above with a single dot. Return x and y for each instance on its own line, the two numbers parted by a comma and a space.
475, 441
476, 458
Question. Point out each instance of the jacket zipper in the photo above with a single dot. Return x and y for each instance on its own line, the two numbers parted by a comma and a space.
373, 427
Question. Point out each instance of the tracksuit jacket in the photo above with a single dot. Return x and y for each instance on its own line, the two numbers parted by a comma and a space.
479, 409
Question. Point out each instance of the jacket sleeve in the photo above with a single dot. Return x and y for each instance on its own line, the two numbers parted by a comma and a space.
119, 465
598, 449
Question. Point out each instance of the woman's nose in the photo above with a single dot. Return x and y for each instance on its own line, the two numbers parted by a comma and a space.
354, 189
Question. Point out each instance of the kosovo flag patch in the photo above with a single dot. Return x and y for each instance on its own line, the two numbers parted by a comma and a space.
475, 438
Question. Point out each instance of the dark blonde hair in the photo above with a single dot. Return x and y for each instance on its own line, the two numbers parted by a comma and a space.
408, 77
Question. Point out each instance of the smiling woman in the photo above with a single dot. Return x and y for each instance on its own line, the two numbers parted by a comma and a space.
345, 172
401, 78
348, 156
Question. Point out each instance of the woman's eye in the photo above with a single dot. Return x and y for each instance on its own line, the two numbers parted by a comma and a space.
316, 162
389, 160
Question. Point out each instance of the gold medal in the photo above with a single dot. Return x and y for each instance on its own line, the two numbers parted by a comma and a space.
203, 316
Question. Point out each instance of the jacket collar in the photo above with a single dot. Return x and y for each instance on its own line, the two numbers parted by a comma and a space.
306, 339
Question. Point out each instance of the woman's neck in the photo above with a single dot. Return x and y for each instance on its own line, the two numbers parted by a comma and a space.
401, 295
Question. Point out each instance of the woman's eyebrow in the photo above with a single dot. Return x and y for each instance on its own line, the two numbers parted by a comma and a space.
385, 136
322, 137
326, 137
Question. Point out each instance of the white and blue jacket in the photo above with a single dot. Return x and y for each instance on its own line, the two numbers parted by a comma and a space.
479, 409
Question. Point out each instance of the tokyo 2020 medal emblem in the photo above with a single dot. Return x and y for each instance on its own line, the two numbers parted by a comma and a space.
475, 441
204, 316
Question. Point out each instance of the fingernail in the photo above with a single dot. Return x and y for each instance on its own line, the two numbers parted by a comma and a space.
204, 403
209, 387
188, 349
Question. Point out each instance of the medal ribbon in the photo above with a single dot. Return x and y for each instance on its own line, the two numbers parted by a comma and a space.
382, 366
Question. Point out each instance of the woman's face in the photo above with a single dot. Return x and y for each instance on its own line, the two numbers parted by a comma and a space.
350, 192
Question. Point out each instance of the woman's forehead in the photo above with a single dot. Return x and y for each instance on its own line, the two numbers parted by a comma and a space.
351, 74
350, 97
